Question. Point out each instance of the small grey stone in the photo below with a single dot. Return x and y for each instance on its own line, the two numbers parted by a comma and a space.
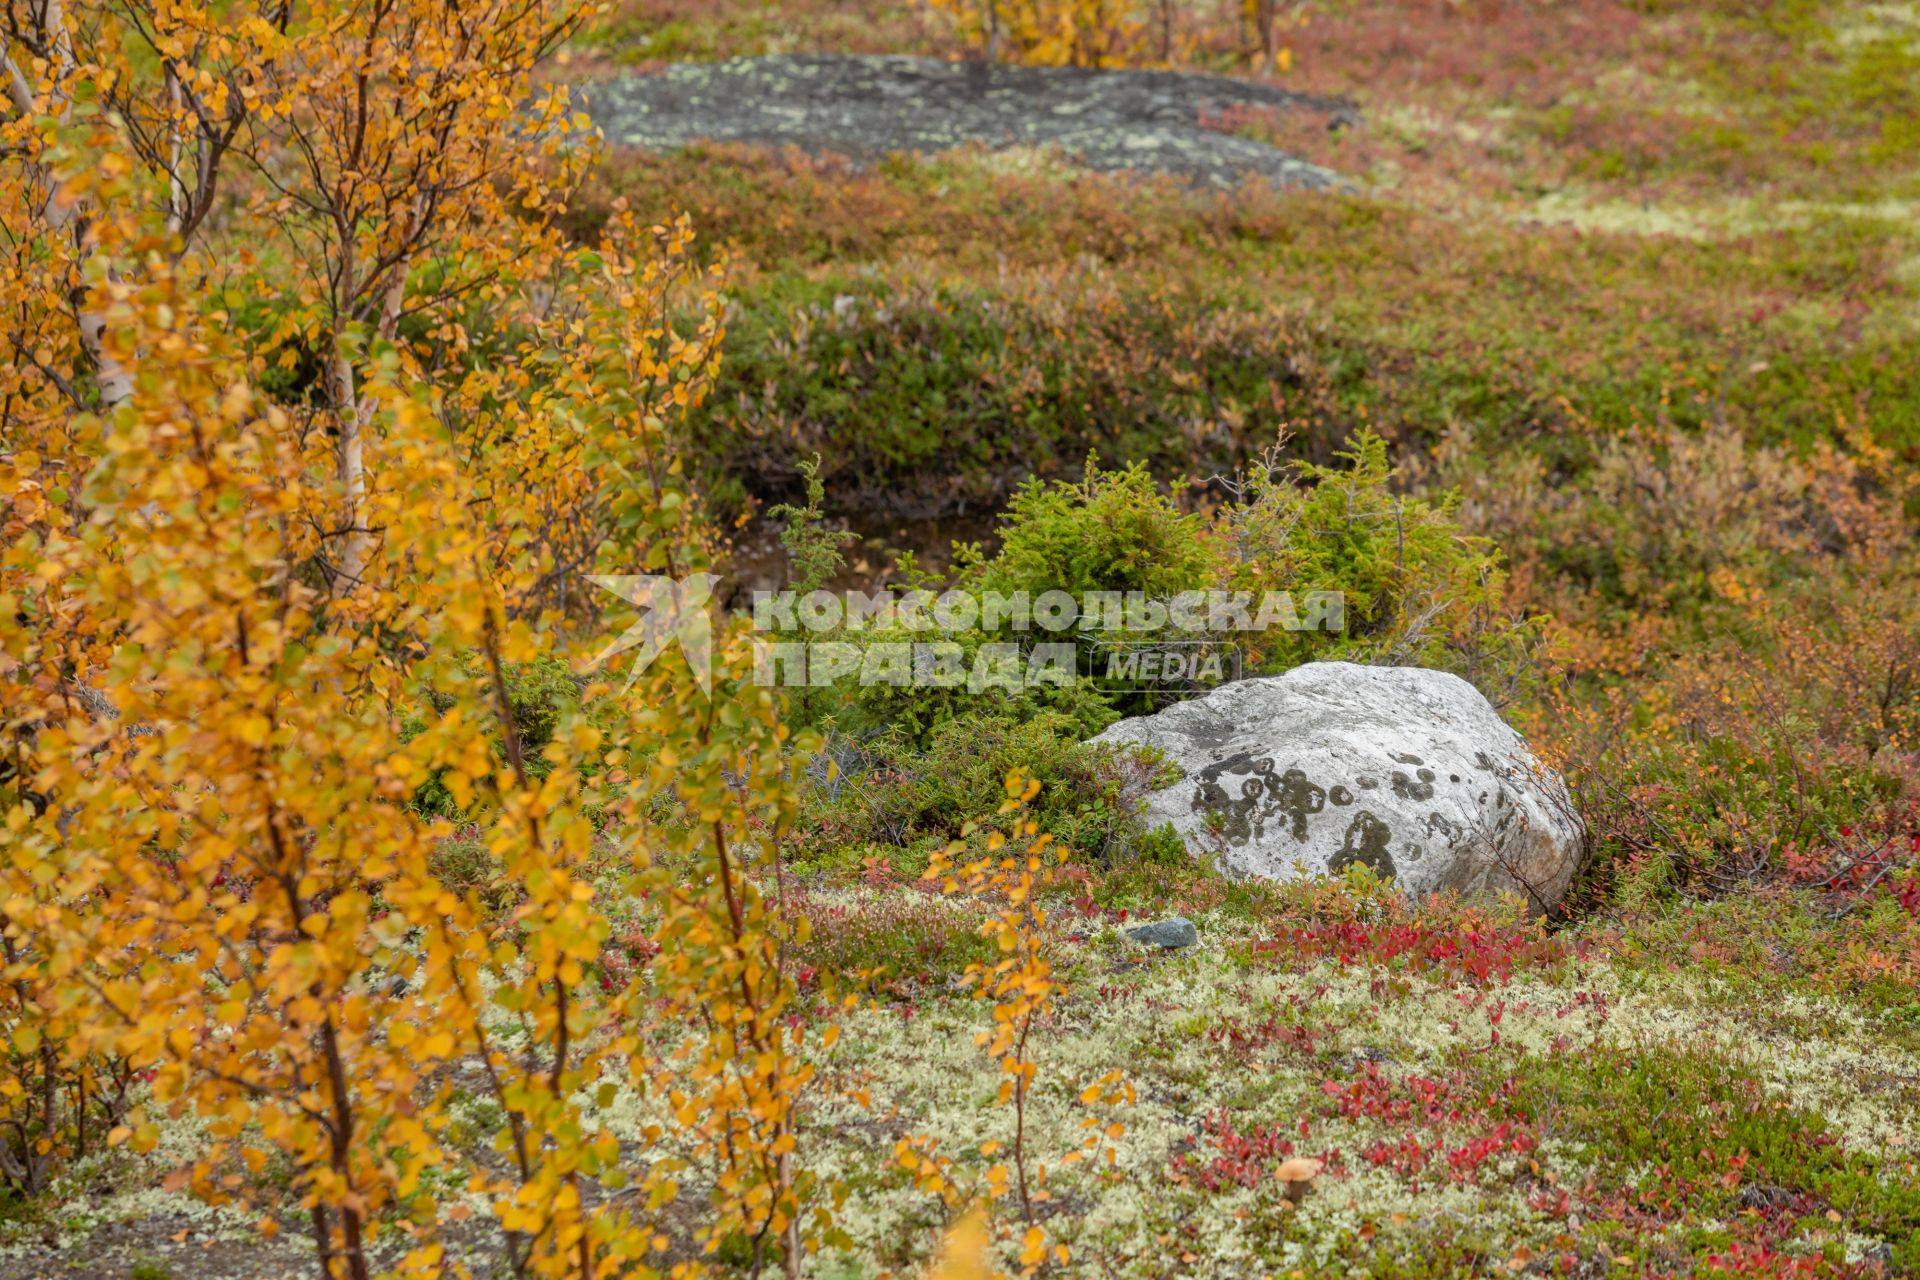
1172, 933
1348, 1063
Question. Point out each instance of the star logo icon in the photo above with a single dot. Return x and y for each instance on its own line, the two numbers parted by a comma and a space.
671, 610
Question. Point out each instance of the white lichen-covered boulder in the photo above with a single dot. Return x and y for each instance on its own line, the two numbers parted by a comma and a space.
1407, 770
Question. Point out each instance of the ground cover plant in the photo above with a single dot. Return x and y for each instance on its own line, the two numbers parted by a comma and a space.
361, 917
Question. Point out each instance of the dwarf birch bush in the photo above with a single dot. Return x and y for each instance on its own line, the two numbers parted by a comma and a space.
1016, 867
237, 552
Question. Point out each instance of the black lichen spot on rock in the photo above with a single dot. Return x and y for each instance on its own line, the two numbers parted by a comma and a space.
1212, 736
1366, 841
1298, 798
1340, 795
1262, 794
1409, 789
1440, 823
1404, 759
1366, 783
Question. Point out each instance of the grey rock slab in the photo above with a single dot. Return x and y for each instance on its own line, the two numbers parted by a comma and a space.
1172, 934
1409, 771
869, 107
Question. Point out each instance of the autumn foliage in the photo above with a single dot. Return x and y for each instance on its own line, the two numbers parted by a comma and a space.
312, 423
1117, 33
330, 385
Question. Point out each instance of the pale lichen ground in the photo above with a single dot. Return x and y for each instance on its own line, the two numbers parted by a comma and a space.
1153, 1201
1159, 1018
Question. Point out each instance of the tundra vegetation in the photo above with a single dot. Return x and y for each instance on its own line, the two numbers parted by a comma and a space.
356, 922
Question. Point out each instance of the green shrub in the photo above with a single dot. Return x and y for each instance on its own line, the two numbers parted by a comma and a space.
897, 793
813, 549
1419, 590
916, 713
1111, 531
